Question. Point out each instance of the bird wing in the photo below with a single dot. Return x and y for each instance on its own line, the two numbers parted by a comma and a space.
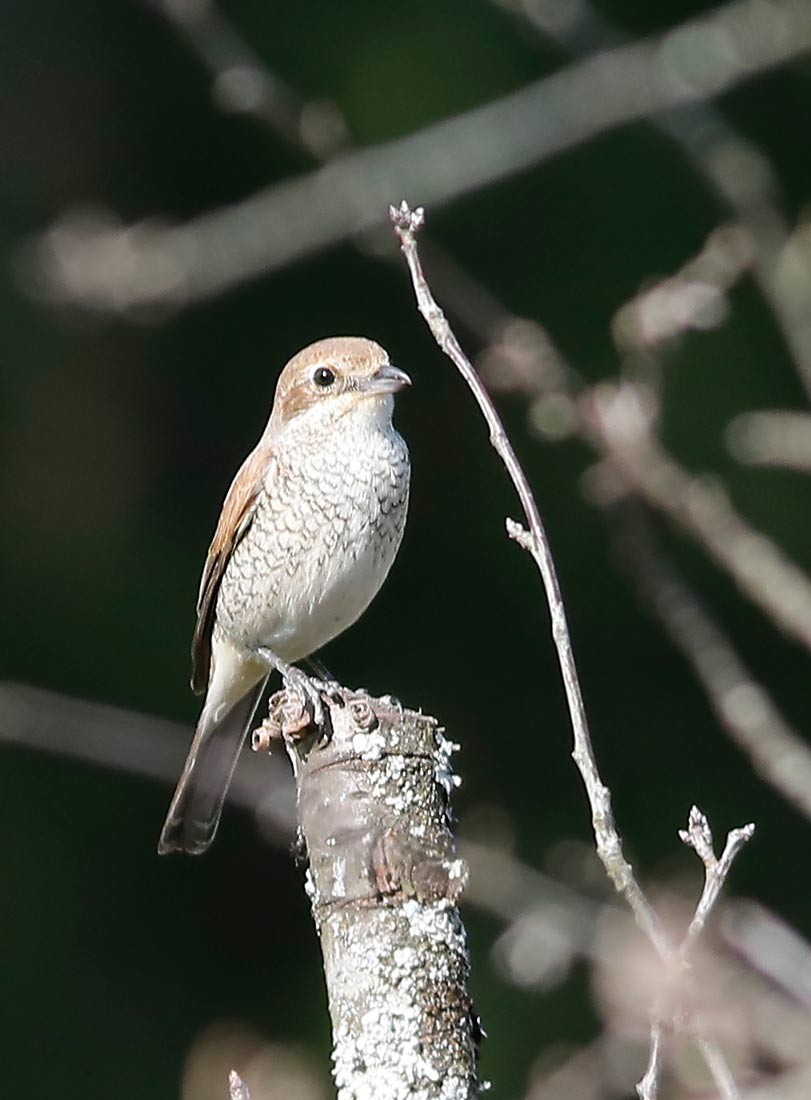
236, 517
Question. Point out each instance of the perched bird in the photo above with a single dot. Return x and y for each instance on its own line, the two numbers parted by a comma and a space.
307, 534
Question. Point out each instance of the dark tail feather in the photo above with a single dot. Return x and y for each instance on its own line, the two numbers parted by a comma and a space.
195, 811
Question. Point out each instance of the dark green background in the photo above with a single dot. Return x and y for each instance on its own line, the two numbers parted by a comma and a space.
118, 440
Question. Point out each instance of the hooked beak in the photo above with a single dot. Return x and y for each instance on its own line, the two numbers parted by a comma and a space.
387, 379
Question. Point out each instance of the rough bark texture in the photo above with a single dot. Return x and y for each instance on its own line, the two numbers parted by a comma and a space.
383, 879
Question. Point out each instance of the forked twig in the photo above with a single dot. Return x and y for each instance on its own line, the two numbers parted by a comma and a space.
698, 836
407, 224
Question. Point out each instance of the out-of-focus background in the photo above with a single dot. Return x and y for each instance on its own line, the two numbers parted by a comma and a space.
138, 367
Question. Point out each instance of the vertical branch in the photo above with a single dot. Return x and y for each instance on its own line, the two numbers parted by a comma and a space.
383, 880
648, 1087
407, 224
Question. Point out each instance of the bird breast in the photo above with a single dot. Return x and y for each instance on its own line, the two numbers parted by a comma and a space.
324, 535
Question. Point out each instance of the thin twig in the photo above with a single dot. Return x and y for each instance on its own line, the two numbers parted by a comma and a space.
648, 1086
698, 836
523, 358
407, 224
719, 1069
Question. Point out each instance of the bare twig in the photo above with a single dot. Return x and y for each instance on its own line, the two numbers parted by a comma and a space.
109, 267
719, 1069
648, 1086
698, 836
407, 224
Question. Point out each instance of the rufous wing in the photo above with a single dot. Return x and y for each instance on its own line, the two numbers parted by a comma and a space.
235, 519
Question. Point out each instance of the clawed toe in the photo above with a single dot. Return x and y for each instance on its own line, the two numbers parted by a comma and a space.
332, 690
310, 690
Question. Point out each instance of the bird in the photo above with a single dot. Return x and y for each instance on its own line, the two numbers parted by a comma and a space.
307, 534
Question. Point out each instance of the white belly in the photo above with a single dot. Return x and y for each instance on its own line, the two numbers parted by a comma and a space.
333, 595
320, 546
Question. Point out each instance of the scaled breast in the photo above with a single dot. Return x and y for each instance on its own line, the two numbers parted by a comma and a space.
324, 535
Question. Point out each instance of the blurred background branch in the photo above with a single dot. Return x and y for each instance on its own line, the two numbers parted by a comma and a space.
87, 259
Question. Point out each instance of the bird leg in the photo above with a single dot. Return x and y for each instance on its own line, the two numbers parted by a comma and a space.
296, 680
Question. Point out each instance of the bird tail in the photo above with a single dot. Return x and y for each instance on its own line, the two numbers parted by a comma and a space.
194, 813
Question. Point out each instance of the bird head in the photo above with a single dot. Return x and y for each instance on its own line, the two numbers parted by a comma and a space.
336, 377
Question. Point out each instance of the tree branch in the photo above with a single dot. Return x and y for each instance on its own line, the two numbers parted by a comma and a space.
407, 224
383, 880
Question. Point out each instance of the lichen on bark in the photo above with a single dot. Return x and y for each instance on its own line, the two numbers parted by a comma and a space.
383, 879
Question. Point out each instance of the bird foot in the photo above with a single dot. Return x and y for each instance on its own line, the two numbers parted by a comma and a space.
330, 689
307, 688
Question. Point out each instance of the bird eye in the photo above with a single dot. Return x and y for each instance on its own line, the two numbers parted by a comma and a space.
324, 377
